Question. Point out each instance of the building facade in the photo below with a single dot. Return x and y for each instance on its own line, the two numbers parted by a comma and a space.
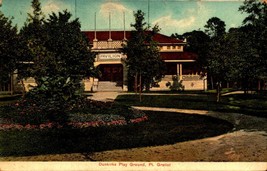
111, 62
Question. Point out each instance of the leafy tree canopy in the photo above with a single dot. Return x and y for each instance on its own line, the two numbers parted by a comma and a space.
59, 58
215, 27
9, 50
143, 56
255, 25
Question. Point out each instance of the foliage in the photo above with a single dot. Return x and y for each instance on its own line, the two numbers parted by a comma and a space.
215, 27
245, 64
176, 85
37, 17
177, 36
53, 97
9, 48
143, 56
36, 112
165, 125
218, 62
197, 43
255, 26
58, 48
59, 59
243, 56
31, 35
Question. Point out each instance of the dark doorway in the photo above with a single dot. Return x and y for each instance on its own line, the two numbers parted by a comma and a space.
111, 72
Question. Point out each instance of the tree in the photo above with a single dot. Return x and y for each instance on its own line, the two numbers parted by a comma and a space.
177, 36
245, 66
31, 35
235, 61
255, 24
61, 62
60, 58
9, 49
215, 27
217, 57
218, 62
143, 58
197, 42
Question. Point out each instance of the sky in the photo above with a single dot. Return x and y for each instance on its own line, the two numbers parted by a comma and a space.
172, 16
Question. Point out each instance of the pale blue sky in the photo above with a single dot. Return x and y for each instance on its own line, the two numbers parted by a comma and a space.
172, 16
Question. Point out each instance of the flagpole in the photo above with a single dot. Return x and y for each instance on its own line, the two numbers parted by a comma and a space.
95, 26
124, 33
148, 10
109, 26
75, 9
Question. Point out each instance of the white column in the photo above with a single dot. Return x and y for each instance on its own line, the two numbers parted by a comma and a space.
178, 69
181, 71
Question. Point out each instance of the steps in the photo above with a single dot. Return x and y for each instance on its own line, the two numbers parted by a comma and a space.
109, 86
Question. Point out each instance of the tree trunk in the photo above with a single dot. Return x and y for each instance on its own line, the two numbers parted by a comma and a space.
245, 87
259, 85
147, 86
135, 83
211, 81
23, 88
140, 87
218, 92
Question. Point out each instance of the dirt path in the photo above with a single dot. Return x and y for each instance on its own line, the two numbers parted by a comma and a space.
236, 146
247, 143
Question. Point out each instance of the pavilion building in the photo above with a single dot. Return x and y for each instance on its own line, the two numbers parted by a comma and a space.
111, 62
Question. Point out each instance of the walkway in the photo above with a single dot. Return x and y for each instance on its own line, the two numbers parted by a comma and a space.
248, 142
105, 96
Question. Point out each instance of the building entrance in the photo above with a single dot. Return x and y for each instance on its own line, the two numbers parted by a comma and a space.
111, 72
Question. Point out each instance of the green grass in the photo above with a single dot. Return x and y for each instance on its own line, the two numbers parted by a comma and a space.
169, 101
247, 104
161, 128
224, 90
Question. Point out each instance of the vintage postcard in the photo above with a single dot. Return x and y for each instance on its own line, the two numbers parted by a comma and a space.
133, 85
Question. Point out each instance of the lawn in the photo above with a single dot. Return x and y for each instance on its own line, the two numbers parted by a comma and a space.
161, 128
250, 104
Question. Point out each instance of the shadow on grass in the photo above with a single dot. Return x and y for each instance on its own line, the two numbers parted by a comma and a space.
249, 104
161, 128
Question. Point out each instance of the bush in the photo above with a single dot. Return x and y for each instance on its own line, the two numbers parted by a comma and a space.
176, 85
37, 111
49, 101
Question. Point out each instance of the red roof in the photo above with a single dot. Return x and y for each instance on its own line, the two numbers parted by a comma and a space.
119, 35
178, 56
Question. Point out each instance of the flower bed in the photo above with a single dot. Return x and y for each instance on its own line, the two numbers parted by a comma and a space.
114, 115
73, 124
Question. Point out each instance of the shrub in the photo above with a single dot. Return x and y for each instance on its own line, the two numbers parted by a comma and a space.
176, 85
49, 101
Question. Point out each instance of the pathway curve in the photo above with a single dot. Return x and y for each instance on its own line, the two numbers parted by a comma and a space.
248, 142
